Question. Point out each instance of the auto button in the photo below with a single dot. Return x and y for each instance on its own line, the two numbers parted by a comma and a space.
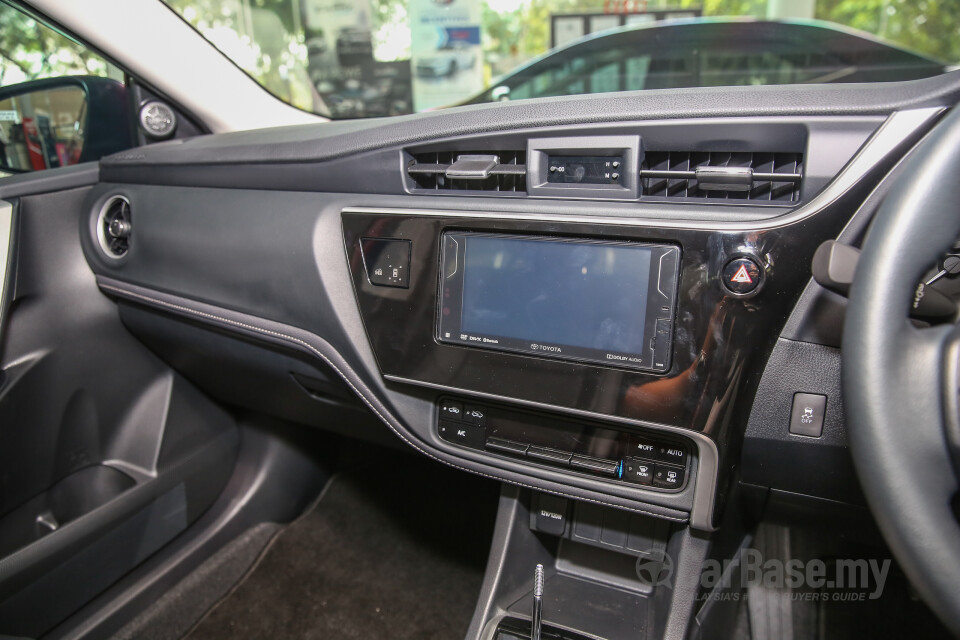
672, 453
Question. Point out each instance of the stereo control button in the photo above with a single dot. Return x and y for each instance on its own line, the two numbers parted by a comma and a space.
462, 434
638, 471
451, 410
475, 415
668, 477
661, 343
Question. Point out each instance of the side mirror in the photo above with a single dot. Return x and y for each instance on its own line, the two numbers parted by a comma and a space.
58, 122
500, 94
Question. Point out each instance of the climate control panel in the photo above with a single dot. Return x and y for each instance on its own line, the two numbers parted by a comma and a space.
637, 457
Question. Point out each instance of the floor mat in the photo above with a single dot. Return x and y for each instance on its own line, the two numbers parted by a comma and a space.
394, 551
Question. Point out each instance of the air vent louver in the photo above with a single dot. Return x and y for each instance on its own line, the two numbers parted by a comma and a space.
428, 170
673, 174
114, 227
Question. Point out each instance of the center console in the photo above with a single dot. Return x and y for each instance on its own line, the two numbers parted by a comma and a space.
596, 356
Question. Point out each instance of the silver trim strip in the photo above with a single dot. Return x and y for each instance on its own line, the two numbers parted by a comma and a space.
708, 458
894, 130
660, 276
6, 238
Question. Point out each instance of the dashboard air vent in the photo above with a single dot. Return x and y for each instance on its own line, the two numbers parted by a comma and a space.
753, 176
114, 227
497, 171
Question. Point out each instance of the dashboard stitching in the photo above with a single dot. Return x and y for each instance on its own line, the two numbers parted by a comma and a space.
194, 312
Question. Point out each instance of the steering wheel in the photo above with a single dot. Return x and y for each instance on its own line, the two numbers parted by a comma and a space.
901, 383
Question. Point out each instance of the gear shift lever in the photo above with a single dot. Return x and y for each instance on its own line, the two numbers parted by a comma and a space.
537, 619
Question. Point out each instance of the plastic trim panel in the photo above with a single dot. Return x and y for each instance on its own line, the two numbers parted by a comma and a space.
316, 346
705, 485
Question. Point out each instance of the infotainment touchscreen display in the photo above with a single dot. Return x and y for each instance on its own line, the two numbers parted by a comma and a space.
596, 301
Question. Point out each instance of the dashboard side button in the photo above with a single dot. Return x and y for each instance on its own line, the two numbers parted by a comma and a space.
806, 417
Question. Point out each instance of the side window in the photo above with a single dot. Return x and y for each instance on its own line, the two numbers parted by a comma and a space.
60, 103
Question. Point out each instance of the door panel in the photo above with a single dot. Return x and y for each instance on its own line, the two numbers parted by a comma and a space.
107, 454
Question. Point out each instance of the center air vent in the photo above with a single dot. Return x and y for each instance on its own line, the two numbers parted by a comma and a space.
114, 227
501, 171
748, 176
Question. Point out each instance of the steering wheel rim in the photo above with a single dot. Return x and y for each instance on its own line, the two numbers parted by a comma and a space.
899, 381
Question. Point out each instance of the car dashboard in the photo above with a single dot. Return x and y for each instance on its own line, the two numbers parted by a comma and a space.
321, 265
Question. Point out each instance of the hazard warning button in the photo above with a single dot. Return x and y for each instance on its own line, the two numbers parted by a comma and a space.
741, 276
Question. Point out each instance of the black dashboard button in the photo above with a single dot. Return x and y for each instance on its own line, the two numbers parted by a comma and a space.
550, 455
672, 453
551, 514
475, 415
806, 416
506, 446
387, 261
642, 447
451, 410
464, 434
741, 276
668, 477
638, 471
605, 467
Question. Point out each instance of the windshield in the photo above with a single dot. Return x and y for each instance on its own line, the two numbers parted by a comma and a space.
370, 58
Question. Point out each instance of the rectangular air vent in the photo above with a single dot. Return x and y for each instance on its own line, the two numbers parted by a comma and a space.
429, 170
747, 175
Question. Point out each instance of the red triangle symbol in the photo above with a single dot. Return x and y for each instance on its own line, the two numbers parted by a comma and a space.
742, 276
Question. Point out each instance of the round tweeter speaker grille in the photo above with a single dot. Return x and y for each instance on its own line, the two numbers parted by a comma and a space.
157, 119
